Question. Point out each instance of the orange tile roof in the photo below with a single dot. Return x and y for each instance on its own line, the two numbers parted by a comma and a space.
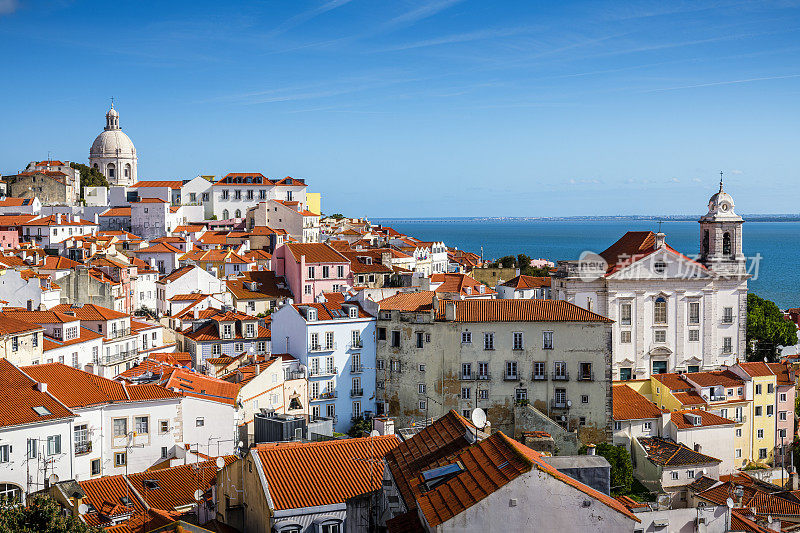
519, 311
706, 419
76, 388
172, 184
316, 252
15, 220
722, 378
267, 286
11, 326
19, 396
528, 282
150, 201
689, 398
84, 335
117, 212
458, 283
52, 221
408, 301
781, 370
177, 273
630, 405
763, 501
757, 369
329, 310
292, 470
189, 228
90, 312
190, 383
160, 247
673, 382
38, 317
13, 202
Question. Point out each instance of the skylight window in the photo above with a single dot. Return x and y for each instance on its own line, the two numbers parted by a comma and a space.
41, 410
436, 476
126, 501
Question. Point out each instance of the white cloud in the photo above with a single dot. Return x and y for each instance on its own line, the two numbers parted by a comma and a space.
8, 6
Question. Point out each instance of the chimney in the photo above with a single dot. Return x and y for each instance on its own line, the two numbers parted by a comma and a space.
42, 387
450, 310
96, 218
196, 313
659, 240
591, 449
258, 368
58, 218
386, 259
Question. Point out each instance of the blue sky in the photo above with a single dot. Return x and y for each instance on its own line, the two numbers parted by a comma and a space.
411, 108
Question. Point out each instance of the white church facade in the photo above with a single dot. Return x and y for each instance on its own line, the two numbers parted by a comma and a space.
113, 153
671, 313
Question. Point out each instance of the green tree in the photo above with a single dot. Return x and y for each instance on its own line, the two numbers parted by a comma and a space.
90, 177
337, 216
42, 514
523, 262
621, 466
360, 427
507, 261
766, 329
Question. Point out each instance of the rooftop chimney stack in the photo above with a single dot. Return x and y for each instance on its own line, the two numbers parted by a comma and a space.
591, 449
660, 240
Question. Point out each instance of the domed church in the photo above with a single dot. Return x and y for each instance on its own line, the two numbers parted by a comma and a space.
113, 153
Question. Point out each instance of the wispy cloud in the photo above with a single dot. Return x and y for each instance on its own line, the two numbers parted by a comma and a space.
305, 16
8, 6
717, 83
479, 35
424, 11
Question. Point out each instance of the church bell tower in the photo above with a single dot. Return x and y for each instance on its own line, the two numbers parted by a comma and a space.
721, 236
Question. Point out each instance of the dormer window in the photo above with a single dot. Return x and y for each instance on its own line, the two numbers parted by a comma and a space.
311, 315
227, 331
250, 330
353, 312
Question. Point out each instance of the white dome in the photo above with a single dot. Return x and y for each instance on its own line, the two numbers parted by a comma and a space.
112, 143
112, 113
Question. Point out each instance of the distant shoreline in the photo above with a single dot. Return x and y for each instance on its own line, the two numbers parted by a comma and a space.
665, 218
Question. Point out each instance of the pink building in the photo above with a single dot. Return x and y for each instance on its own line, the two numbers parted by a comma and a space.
9, 239
311, 269
784, 400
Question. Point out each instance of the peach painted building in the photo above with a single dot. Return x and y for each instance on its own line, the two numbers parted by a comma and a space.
311, 269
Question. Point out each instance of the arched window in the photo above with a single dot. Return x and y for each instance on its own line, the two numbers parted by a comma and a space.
110, 169
10, 493
726, 244
225, 214
95, 165
127, 170
705, 243
238, 213
660, 311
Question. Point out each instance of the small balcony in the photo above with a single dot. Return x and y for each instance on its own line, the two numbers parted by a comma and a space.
721, 398
295, 374
356, 345
511, 377
327, 395
356, 368
316, 372
467, 377
587, 376
117, 333
322, 348
484, 377
559, 403
356, 393
540, 377
83, 448
740, 419
561, 376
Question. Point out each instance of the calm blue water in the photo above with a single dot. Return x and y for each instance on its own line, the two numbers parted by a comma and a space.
777, 242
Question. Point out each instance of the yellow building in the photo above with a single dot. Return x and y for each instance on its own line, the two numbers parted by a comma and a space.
314, 202
761, 385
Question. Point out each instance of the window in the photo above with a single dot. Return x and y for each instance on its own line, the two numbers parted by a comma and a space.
238, 347
759, 388
466, 393
120, 459
421, 388
738, 433
659, 367
466, 370
758, 410
394, 366
782, 397
381, 334
199, 422
356, 409
311, 272
395, 338
660, 335
466, 337
120, 427
331, 528
326, 272
420, 339
782, 415
660, 311
81, 438
35, 340
625, 314
142, 425
511, 370
379, 364
539, 370
770, 388
33, 448
340, 272
762, 453
163, 426
95, 467
660, 267
690, 474
483, 370
625, 337
617, 426
738, 453
488, 341
674, 475
237, 194
164, 452
584, 398
694, 312
261, 346
694, 335
483, 394
647, 426
521, 394
547, 340
421, 367
307, 289
560, 370
727, 315
250, 330
53, 444
14, 344
770, 410
422, 405
586, 373
740, 391
518, 340
5, 453
216, 349
727, 345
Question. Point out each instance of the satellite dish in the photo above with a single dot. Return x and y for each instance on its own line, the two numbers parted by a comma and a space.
569, 403
766, 360
198, 494
729, 503
704, 471
52, 479
83, 509
220, 462
241, 444
374, 433
701, 505
478, 417
769, 518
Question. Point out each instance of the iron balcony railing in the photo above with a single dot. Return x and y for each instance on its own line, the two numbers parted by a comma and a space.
561, 376
467, 377
116, 333
484, 377
511, 377
83, 447
322, 348
541, 376
355, 345
559, 403
356, 368
356, 393
587, 376
313, 372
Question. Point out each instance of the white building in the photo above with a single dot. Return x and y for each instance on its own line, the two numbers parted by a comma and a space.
51, 231
20, 206
35, 434
28, 290
525, 287
335, 340
235, 193
186, 280
292, 217
671, 313
113, 153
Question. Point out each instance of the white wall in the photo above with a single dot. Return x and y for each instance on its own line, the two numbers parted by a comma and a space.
218, 426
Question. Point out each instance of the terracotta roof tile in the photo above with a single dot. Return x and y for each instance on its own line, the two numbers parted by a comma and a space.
724, 378
630, 405
528, 282
172, 184
673, 382
460, 284
315, 252
190, 383
665, 452
757, 369
19, 396
117, 212
706, 419
408, 301
292, 470
519, 311
90, 312
689, 398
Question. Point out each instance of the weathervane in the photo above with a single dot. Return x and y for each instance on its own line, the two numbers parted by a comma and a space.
720, 181
112, 102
